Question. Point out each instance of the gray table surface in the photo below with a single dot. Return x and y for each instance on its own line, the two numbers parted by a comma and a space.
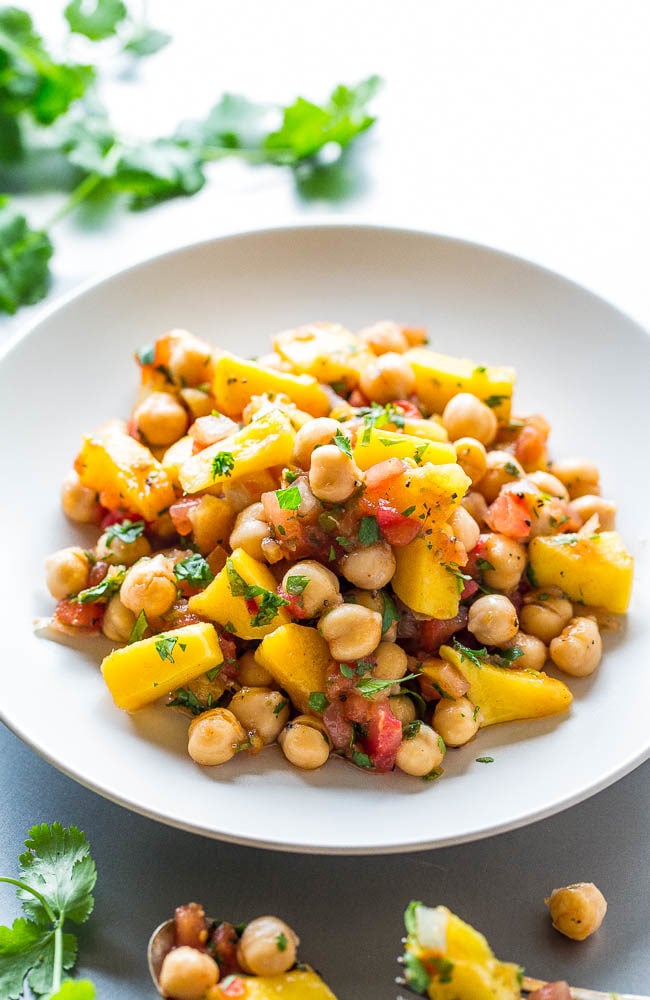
348, 911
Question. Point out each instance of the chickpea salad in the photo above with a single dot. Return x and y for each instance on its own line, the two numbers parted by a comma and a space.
352, 547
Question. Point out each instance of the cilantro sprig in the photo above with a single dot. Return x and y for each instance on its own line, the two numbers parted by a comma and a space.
270, 603
57, 878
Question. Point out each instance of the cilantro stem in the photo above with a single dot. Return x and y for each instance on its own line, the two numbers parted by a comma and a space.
58, 956
27, 888
80, 193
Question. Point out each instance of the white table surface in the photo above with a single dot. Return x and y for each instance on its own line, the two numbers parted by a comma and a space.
522, 125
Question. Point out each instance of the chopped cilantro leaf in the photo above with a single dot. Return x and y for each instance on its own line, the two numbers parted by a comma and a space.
419, 452
332, 554
389, 614
411, 729
222, 465
281, 942
97, 20
417, 977
104, 590
165, 647
296, 585
368, 686
484, 565
318, 701
361, 759
511, 469
485, 760
290, 476
342, 442
408, 511
289, 499
346, 670
126, 531
280, 705
184, 698
369, 530
495, 400
139, 628
508, 656
475, 656
268, 609
195, 570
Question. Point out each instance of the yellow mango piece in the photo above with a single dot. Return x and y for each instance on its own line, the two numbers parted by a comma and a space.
298, 984
146, 670
428, 492
212, 522
438, 377
297, 657
596, 569
219, 603
264, 443
429, 429
376, 445
236, 381
327, 351
176, 455
124, 473
422, 579
504, 694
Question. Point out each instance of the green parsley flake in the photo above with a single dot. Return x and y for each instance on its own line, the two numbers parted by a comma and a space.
342, 442
419, 452
318, 701
104, 590
280, 705
369, 530
475, 656
289, 499
346, 670
361, 759
485, 760
281, 942
369, 686
127, 532
139, 628
493, 401
296, 585
389, 614
195, 570
222, 465
270, 602
165, 647
483, 565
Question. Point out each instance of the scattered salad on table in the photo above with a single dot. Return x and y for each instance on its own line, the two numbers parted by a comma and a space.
350, 547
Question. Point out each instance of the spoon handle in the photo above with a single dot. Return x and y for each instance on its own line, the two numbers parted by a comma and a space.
530, 984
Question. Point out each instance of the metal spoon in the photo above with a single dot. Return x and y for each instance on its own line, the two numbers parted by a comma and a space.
160, 942
529, 985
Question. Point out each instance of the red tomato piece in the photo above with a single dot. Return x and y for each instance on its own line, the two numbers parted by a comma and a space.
115, 516
180, 514
378, 476
339, 728
77, 615
397, 528
408, 409
235, 988
384, 736
436, 631
223, 947
510, 515
190, 927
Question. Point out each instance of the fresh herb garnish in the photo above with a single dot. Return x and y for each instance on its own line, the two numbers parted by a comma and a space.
195, 570
222, 465
411, 729
511, 469
280, 705
495, 400
343, 443
508, 656
126, 531
408, 511
185, 698
380, 416
57, 878
318, 701
389, 614
368, 686
416, 975
281, 942
289, 499
461, 578
361, 759
104, 590
475, 656
139, 628
483, 565
419, 452
270, 603
296, 585
369, 530
346, 670
485, 760
165, 647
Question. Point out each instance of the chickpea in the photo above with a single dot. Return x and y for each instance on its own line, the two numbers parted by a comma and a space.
579, 475
389, 377
305, 743
211, 521
214, 737
548, 483
333, 475
261, 710
493, 620
456, 721
250, 673
118, 620
533, 652
402, 708
501, 468
392, 662
66, 572
250, 530
545, 613
161, 419
588, 505
374, 601
115, 551
577, 910
150, 586
198, 402
267, 947
465, 416
187, 973
351, 631
578, 648
321, 591
312, 435
383, 337
470, 455
475, 504
370, 567
189, 359
79, 503
422, 753
507, 559
465, 528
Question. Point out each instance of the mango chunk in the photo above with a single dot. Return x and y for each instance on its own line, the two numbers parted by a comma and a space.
503, 694
327, 351
596, 569
297, 657
376, 445
225, 599
124, 473
265, 442
427, 578
298, 984
429, 429
438, 377
146, 670
427, 492
236, 381
461, 963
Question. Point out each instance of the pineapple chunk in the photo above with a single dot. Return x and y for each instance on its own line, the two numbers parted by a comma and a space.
225, 599
503, 694
236, 381
124, 473
297, 657
327, 351
264, 443
298, 984
427, 578
456, 960
438, 377
596, 569
146, 670
376, 445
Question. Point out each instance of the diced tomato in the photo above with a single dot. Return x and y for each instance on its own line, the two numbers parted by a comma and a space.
115, 516
97, 573
356, 708
408, 409
235, 988
339, 728
436, 631
77, 615
378, 476
228, 648
357, 398
384, 736
223, 948
294, 604
190, 927
471, 586
180, 514
510, 515
397, 528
